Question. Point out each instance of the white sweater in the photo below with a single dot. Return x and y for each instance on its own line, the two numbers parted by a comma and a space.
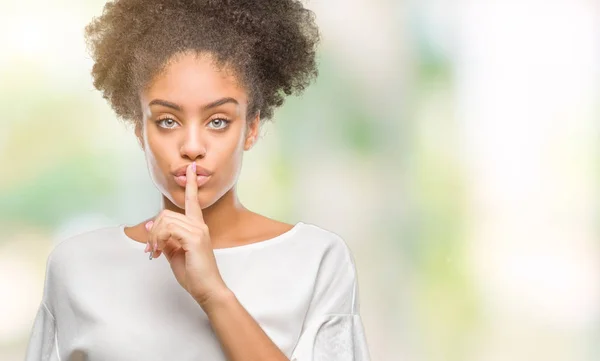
105, 301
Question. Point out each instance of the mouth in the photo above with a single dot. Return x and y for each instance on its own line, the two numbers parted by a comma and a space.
182, 180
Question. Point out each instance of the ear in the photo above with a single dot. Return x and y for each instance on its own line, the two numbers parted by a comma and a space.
252, 132
138, 133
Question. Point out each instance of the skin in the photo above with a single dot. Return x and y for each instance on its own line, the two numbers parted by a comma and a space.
197, 219
192, 81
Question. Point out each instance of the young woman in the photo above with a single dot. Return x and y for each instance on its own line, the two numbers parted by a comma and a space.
196, 79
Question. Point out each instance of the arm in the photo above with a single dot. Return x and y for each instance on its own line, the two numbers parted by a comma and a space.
332, 330
185, 242
242, 339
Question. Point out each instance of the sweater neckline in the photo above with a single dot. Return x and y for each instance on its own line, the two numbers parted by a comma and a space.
250, 246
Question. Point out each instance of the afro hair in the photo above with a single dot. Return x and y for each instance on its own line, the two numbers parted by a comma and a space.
270, 45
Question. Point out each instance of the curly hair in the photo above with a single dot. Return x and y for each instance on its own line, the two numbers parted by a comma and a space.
270, 45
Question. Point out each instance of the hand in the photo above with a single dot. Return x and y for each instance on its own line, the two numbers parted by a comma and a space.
185, 242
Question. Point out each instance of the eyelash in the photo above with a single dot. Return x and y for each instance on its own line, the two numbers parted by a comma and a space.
226, 121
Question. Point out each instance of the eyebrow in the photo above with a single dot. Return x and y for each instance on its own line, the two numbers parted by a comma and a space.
205, 107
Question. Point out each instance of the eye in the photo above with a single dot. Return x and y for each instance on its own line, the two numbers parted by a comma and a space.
168, 121
220, 122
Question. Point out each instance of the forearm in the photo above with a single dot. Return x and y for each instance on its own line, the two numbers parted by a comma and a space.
241, 337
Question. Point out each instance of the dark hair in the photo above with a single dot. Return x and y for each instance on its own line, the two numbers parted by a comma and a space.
270, 44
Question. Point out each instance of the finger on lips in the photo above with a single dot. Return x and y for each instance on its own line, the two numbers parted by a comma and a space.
192, 207
192, 210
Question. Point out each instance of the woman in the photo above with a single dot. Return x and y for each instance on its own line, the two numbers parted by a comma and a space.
196, 79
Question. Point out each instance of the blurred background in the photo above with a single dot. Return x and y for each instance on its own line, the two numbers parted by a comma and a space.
452, 144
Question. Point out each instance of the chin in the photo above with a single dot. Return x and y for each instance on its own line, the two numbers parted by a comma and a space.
178, 198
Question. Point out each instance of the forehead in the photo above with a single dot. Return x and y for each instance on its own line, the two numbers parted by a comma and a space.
193, 79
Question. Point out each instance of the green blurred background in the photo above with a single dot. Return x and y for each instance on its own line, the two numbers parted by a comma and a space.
453, 145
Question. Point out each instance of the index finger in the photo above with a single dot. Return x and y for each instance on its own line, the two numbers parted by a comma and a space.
192, 206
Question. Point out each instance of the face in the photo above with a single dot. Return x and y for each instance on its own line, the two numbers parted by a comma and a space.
195, 112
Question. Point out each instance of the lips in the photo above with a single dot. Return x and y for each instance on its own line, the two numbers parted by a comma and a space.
182, 180
181, 171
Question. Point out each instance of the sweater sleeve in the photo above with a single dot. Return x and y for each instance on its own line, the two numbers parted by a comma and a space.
333, 328
41, 345
333, 338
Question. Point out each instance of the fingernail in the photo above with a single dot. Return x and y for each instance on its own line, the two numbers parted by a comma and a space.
155, 247
194, 167
149, 225
147, 247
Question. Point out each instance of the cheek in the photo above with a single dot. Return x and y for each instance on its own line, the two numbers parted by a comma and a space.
228, 160
157, 162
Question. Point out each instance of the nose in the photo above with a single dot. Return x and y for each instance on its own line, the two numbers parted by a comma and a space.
193, 145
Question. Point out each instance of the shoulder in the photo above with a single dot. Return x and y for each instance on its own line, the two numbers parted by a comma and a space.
77, 246
335, 285
69, 257
332, 247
